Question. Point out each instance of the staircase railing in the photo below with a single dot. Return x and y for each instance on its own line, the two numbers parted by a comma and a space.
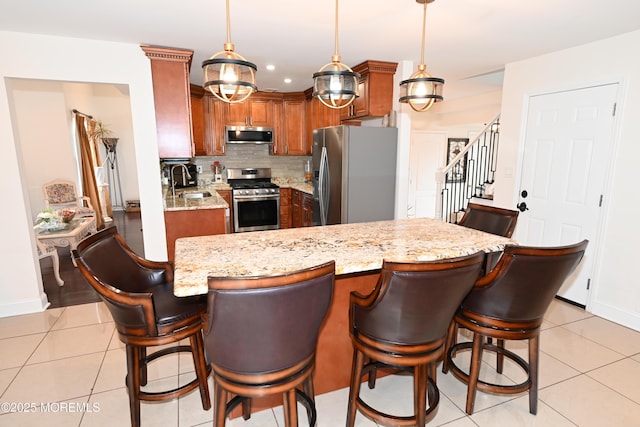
468, 174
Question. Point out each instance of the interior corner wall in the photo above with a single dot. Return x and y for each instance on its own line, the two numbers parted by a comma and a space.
76, 60
616, 291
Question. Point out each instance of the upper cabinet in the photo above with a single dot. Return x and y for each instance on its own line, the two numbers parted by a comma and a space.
291, 129
255, 111
214, 144
197, 119
172, 100
318, 115
376, 91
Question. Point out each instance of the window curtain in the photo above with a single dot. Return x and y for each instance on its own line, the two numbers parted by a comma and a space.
90, 158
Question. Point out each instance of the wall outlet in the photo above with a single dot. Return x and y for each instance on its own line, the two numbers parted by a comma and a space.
199, 168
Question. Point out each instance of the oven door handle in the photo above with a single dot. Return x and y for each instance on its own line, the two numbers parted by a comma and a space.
253, 197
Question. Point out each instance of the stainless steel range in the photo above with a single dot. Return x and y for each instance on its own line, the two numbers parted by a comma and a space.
256, 200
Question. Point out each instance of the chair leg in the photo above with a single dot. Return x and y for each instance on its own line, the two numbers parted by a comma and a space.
246, 409
290, 407
354, 388
372, 373
56, 268
433, 372
452, 338
474, 371
200, 365
308, 389
499, 357
142, 357
220, 402
420, 394
133, 383
534, 353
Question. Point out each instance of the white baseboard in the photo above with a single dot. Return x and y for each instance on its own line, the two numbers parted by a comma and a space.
615, 314
25, 307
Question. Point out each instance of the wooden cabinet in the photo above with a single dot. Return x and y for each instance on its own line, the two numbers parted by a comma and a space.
190, 223
285, 208
307, 209
296, 208
226, 195
198, 119
172, 101
214, 126
318, 116
301, 209
376, 91
256, 111
291, 130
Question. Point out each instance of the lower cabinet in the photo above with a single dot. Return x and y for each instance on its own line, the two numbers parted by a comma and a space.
307, 210
301, 209
226, 195
190, 223
285, 208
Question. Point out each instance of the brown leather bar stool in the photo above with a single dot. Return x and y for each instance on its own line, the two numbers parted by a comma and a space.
509, 304
139, 295
403, 324
262, 338
498, 221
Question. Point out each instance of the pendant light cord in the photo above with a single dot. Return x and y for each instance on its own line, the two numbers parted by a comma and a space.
336, 53
228, 24
424, 31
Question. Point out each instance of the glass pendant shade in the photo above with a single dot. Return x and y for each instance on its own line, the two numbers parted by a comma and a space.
229, 76
335, 85
421, 90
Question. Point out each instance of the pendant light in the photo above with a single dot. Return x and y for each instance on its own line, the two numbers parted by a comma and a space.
421, 90
335, 84
228, 75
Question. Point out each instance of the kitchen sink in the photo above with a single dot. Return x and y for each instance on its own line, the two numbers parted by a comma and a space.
198, 195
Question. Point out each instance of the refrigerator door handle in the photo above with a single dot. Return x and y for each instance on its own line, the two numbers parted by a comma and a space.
323, 186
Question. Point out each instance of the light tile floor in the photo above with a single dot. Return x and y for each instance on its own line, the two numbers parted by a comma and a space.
66, 367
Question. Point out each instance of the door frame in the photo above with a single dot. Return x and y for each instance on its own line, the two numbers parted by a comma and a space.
596, 246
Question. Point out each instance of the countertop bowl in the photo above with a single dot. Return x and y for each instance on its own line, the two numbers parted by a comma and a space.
67, 215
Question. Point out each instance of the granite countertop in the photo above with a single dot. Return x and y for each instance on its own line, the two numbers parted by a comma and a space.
176, 203
355, 248
295, 184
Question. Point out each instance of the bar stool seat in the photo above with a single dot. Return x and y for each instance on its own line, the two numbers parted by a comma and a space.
262, 339
403, 324
139, 295
509, 303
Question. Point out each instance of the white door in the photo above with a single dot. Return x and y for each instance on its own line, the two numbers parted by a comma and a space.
427, 154
568, 141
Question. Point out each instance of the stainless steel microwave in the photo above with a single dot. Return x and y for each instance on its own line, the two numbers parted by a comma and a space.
248, 135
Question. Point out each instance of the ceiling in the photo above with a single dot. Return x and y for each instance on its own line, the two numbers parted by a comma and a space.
468, 42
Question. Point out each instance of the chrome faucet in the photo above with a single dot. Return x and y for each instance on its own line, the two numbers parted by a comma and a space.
173, 181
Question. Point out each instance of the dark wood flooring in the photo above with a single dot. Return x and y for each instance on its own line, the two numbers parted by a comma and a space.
76, 290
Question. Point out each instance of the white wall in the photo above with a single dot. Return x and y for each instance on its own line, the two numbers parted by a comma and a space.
616, 292
76, 60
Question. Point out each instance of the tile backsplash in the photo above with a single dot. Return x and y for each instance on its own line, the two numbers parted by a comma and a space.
250, 155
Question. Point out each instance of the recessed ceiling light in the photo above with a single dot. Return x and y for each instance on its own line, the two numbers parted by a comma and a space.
270, 67
287, 80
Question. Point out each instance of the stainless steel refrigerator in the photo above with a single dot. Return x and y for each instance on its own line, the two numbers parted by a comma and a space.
354, 174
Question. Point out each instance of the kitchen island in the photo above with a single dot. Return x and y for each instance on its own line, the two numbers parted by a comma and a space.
358, 250
195, 216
